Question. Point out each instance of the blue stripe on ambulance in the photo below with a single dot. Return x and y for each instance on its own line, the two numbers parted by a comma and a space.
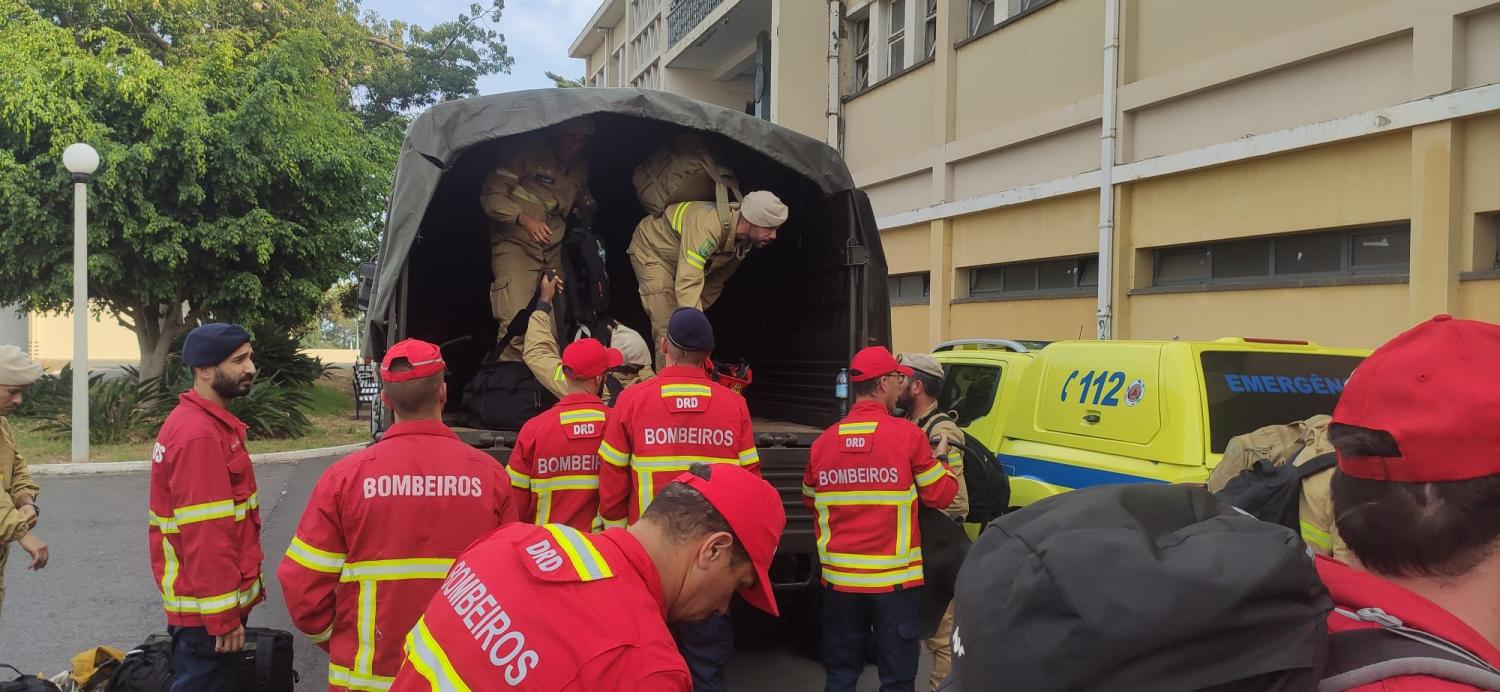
1065, 475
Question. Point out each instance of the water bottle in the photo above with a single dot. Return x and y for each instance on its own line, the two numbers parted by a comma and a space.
841, 391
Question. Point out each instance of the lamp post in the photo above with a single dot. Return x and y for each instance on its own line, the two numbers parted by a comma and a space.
81, 160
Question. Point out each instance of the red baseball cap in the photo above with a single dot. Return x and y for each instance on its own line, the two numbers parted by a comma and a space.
874, 362
588, 358
425, 358
755, 515
1436, 390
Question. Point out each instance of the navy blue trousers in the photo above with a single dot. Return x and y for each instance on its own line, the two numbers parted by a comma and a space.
849, 622
195, 666
706, 647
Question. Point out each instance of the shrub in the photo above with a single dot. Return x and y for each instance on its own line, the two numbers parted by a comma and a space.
48, 396
273, 410
277, 358
121, 409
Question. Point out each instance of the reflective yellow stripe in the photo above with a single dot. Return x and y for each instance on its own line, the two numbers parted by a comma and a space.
866, 497
193, 514
430, 661
166, 524
749, 456
241, 509
581, 552
807, 490
955, 459
314, 559
862, 561
671, 390
173, 603
523, 193
506, 172
557, 374
364, 656
1316, 536
931, 475
397, 570
872, 579
677, 214
323, 636
614, 523
550, 485
340, 676
864, 428
676, 463
586, 415
612, 455
518, 479
696, 260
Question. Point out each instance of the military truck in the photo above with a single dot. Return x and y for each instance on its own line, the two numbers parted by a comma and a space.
796, 311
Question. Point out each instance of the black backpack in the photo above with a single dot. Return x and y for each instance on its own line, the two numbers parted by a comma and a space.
1271, 493
146, 668
585, 304
26, 683
265, 665
985, 478
504, 396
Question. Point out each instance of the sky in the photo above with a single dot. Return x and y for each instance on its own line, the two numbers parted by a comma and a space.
537, 34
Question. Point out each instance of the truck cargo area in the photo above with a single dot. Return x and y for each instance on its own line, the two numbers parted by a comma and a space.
788, 311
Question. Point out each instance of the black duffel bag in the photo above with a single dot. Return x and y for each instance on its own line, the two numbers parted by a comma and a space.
265, 664
26, 683
504, 396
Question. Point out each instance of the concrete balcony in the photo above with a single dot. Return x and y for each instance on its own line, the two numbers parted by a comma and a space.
717, 36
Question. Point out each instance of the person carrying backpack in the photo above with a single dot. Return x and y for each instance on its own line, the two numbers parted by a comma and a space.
1282, 473
921, 406
1417, 500
543, 356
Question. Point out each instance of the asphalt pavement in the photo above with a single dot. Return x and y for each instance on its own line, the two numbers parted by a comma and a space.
98, 588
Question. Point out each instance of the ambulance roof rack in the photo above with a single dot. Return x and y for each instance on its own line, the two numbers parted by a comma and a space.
1017, 346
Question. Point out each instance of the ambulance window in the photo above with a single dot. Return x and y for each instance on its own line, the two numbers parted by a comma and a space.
1247, 390
969, 391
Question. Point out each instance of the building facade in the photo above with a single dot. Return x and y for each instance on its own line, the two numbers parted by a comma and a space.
1306, 170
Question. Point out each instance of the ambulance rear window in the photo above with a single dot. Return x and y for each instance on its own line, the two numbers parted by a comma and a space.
969, 391
1247, 390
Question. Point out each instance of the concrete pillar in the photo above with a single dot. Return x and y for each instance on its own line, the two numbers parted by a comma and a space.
799, 66
1130, 272
1436, 219
940, 259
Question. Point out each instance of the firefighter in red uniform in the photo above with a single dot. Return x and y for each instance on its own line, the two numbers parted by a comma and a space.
205, 521
555, 465
865, 477
383, 525
660, 427
551, 608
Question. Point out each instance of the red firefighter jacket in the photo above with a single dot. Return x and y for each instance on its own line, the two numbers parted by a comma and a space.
863, 481
205, 518
379, 533
1354, 590
509, 616
662, 426
555, 465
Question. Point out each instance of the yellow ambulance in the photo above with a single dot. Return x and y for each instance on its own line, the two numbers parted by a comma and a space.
1073, 414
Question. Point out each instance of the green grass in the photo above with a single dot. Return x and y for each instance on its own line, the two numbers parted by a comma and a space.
330, 413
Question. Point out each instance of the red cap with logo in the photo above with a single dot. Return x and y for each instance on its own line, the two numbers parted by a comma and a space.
1436, 390
874, 362
588, 358
425, 359
755, 515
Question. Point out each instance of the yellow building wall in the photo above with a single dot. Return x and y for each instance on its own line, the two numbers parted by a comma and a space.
1173, 33
1056, 227
52, 339
1050, 320
1056, 58
1479, 300
1361, 182
1356, 316
891, 121
1481, 190
906, 249
909, 328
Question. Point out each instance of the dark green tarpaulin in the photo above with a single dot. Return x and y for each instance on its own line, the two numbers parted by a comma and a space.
438, 137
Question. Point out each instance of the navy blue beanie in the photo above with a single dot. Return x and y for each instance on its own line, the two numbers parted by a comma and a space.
212, 343
690, 331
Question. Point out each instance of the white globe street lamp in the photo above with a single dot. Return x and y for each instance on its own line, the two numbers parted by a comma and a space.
81, 160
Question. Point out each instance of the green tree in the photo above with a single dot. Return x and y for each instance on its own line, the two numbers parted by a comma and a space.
246, 149
562, 82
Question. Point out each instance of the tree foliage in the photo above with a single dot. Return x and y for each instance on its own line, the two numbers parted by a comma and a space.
562, 82
246, 148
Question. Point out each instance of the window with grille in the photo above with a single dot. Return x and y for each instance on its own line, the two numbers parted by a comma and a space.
859, 34
1070, 275
896, 36
929, 30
